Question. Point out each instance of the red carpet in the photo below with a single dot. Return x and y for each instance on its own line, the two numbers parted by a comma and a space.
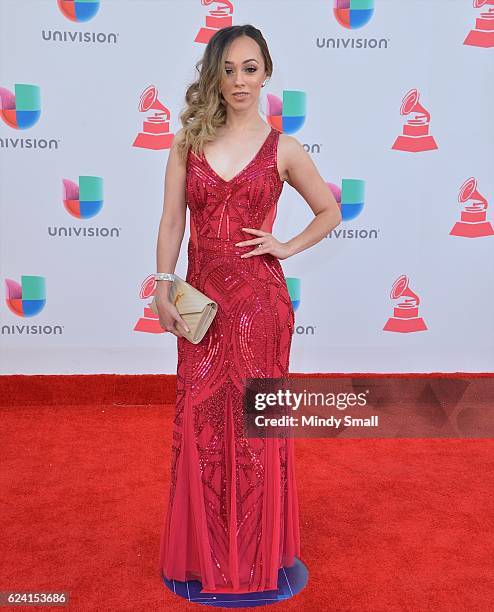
403, 525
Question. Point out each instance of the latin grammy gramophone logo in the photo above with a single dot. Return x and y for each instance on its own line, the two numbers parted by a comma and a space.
473, 217
156, 127
149, 322
287, 114
483, 33
415, 136
353, 14
405, 317
216, 19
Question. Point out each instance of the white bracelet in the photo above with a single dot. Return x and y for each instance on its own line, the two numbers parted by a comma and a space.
164, 276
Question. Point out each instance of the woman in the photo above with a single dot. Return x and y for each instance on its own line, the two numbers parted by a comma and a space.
232, 518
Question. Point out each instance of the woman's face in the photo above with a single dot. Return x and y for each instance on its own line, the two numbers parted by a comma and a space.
243, 71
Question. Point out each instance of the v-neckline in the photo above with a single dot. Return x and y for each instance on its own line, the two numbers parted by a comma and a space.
245, 167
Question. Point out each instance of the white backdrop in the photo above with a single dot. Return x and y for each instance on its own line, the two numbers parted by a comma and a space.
91, 75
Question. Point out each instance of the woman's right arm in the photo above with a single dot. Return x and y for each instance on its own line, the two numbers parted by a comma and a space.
170, 236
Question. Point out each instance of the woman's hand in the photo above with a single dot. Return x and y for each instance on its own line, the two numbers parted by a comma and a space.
170, 319
269, 244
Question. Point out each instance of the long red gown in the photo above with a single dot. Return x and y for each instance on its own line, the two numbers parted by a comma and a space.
232, 519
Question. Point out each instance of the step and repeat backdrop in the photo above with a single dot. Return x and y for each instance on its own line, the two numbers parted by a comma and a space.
392, 99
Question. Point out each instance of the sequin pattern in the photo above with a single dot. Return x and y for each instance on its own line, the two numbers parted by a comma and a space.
241, 525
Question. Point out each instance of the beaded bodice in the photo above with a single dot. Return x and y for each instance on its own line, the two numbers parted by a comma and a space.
219, 208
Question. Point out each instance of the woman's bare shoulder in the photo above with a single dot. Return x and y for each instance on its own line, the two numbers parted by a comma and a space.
179, 136
287, 150
288, 142
179, 155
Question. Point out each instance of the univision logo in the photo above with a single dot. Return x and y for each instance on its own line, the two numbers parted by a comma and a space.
27, 299
79, 11
29, 143
293, 285
22, 109
288, 114
83, 200
352, 15
351, 200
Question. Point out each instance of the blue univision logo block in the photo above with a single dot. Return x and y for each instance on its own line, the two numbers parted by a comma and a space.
352, 198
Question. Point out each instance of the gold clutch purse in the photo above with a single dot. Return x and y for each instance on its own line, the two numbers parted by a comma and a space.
195, 308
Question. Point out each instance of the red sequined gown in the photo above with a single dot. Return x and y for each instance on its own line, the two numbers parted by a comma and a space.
232, 518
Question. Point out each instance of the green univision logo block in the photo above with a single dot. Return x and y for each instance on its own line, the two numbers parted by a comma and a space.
91, 188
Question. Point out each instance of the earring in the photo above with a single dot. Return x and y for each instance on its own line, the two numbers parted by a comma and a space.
265, 81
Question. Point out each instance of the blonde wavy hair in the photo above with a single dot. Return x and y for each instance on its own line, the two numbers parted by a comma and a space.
205, 108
